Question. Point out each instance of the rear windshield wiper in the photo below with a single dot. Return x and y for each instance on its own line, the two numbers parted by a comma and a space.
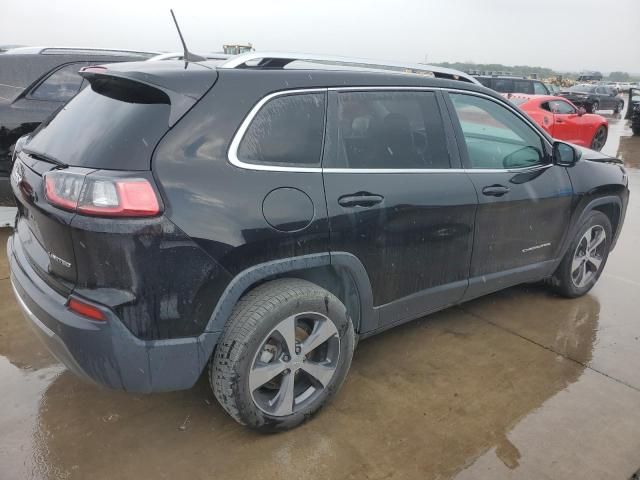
45, 158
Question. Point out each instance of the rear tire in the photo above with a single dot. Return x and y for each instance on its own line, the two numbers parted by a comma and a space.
585, 258
619, 107
284, 354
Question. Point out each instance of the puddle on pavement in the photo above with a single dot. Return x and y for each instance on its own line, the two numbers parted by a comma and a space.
426, 398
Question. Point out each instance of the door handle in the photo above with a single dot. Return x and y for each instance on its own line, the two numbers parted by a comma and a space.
360, 199
495, 190
559, 120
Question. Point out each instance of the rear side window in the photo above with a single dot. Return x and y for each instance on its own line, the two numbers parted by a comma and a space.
392, 130
522, 86
114, 124
61, 86
287, 131
503, 85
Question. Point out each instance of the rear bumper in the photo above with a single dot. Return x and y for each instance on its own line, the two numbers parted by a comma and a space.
106, 353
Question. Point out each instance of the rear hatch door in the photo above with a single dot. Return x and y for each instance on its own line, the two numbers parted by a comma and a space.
114, 125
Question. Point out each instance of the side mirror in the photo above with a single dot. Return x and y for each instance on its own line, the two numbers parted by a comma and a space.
564, 154
581, 111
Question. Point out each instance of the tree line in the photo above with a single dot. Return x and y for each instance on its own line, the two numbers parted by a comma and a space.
527, 70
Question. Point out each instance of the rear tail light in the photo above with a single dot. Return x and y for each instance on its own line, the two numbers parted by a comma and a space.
85, 309
101, 196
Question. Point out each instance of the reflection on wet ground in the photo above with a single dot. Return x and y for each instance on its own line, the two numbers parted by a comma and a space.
520, 384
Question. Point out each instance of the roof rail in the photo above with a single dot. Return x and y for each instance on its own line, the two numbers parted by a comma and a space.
281, 59
77, 51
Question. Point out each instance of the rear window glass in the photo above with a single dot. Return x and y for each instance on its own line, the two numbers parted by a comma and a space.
114, 124
287, 131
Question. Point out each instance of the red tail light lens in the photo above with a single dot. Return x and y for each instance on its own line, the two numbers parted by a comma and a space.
101, 196
63, 189
85, 309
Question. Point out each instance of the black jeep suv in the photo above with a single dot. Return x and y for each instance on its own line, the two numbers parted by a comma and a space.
34, 83
259, 216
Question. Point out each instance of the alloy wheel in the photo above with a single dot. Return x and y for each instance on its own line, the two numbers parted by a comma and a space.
588, 257
599, 139
294, 364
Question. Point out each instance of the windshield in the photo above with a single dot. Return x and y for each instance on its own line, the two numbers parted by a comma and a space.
114, 124
583, 88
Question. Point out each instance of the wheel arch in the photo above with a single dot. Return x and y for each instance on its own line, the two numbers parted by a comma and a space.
610, 205
338, 272
613, 211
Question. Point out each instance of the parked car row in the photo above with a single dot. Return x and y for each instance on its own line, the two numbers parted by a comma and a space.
622, 86
309, 211
635, 110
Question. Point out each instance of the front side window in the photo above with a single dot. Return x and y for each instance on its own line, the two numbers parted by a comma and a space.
287, 131
539, 89
61, 86
560, 107
495, 137
389, 130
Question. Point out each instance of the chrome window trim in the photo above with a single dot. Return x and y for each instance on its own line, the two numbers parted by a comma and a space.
235, 142
244, 126
439, 170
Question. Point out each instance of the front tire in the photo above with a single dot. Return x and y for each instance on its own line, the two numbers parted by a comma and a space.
586, 257
619, 107
284, 354
595, 106
599, 138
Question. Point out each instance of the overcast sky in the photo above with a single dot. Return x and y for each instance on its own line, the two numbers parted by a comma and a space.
561, 34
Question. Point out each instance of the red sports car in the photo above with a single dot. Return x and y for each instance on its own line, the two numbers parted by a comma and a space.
563, 120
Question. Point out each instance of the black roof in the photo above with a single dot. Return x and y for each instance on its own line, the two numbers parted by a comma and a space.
278, 79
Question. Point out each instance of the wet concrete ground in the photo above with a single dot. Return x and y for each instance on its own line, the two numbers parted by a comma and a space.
520, 384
